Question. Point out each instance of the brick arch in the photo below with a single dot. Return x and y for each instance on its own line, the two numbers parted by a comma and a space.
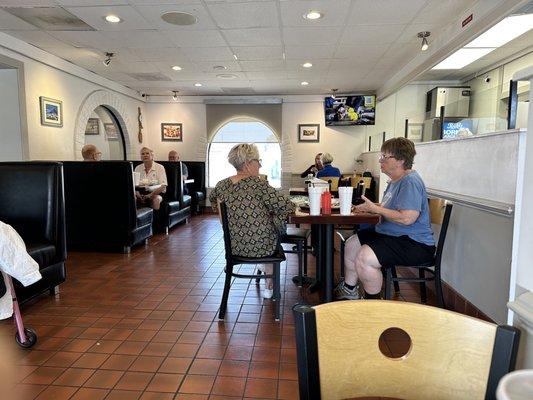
115, 105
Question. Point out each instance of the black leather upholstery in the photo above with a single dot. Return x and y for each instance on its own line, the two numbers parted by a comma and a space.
196, 189
101, 212
175, 203
32, 201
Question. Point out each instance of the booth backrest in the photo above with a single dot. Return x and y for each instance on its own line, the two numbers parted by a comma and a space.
100, 201
175, 183
32, 201
196, 172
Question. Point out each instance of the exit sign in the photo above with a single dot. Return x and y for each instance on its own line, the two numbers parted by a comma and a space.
467, 20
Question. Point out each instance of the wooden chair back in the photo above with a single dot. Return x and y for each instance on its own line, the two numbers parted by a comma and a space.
333, 182
452, 356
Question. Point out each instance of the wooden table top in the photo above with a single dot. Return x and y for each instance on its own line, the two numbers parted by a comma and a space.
300, 217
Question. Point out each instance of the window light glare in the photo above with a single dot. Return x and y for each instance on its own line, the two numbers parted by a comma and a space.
462, 58
504, 31
313, 14
307, 65
176, 68
113, 19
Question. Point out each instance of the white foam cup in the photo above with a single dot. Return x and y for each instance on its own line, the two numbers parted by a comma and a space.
345, 197
314, 200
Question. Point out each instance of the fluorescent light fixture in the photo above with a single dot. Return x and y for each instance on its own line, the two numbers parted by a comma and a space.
113, 19
504, 31
304, 83
313, 14
197, 84
176, 68
307, 65
462, 58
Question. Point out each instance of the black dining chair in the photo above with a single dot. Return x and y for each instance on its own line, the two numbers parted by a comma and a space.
440, 214
231, 260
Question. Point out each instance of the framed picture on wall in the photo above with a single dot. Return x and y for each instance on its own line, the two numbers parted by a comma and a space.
171, 132
415, 132
92, 127
51, 112
309, 133
111, 131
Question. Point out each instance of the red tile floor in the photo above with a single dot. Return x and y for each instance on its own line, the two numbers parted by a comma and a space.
144, 326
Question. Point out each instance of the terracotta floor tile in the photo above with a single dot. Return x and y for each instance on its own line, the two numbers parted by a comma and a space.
261, 388
266, 354
157, 349
208, 351
288, 371
120, 362
93, 333
146, 364
202, 366
134, 381
165, 383
175, 365
184, 350
243, 353
197, 384
105, 346
56, 393
234, 368
79, 345
166, 336
288, 390
187, 396
229, 386
131, 347
36, 357
157, 396
142, 335
74, 377
62, 359
103, 379
118, 334
90, 360
90, 394
28, 391
123, 395
44, 375
263, 370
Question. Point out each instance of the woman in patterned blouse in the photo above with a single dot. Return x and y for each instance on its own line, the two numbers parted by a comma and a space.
256, 211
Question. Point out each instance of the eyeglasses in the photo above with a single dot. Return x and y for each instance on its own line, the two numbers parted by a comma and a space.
383, 157
258, 160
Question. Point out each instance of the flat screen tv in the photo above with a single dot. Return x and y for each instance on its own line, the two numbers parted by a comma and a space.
350, 110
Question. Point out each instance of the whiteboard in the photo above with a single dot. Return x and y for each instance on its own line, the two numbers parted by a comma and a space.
482, 166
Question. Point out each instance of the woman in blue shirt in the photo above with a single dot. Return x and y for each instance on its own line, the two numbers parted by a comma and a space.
328, 169
402, 237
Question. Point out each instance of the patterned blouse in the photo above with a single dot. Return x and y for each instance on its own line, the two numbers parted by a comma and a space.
256, 215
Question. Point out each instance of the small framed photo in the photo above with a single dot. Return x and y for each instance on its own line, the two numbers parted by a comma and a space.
309, 133
51, 112
171, 132
92, 127
111, 131
415, 132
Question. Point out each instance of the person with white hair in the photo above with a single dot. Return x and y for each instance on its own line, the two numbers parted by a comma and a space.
154, 174
90, 152
257, 211
327, 169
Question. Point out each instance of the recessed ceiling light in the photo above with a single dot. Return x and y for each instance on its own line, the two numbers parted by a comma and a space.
227, 76
197, 84
112, 18
462, 58
179, 18
176, 68
304, 83
307, 65
313, 14
220, 67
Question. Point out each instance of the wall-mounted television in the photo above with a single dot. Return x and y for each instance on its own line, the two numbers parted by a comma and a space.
350, 110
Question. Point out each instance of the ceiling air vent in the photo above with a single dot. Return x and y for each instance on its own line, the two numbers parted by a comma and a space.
49, 18
151, 77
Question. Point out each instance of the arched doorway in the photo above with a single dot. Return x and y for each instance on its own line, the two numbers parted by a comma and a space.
104, 131
244, 130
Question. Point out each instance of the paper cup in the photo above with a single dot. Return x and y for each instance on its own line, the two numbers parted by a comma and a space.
345, 197
314, 200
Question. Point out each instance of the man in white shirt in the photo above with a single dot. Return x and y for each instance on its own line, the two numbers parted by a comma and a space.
153, 173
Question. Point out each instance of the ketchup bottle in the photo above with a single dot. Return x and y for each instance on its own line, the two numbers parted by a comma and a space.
326, 203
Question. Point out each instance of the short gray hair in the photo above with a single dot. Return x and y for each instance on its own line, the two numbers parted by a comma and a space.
242, 153
326, 158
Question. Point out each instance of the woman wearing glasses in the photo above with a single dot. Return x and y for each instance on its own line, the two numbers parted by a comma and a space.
402, 237
256, 212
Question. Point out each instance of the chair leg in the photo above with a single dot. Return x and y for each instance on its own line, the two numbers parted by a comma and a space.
388, 281
257, 280
438, 288
423, 293
227, 284
395, 276
343, 244
277, 291
299, 250
305, 258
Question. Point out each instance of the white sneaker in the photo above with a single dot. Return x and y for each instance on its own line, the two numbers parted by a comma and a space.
268, 293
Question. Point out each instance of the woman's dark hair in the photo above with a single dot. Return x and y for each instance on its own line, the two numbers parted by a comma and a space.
401, 149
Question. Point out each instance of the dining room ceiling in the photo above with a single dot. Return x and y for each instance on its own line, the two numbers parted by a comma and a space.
234, 46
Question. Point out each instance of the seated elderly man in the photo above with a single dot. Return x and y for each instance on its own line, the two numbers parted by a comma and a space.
155, 174
173, 156
90, 152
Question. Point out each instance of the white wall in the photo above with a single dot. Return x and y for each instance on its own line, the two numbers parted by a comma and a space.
10, 132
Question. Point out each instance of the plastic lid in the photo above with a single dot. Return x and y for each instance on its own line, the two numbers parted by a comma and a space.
517, 385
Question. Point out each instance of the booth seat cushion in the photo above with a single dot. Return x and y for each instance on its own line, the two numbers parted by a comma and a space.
144, 216
197, 197
186, 200
173, 206
43, 253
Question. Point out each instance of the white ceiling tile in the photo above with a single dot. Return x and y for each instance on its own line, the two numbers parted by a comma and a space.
245, 15
92, 39
137, 39
334, 14
311, 36
207, 66
253, 37
74, 3
340, 67
27, 3
258, 53
207, 53
363, 51
135, 67
441, 12
153, 15
118, 76
309, 52
318, 65
369, 12
94, 16
263, 65
163, 2
37, 38
168, 54
372, 34
409, 35
207, 38
9, 21
266, 75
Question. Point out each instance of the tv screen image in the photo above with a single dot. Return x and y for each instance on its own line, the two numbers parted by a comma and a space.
350, 110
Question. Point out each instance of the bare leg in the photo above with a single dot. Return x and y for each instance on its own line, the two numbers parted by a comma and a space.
156, 202
268, 271
351, 249
369, 270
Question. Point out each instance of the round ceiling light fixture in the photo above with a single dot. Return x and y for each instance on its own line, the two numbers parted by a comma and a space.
113, 19
179, 18
307, 65
177, 68
304, 83
313, 14
220, 67
198, 84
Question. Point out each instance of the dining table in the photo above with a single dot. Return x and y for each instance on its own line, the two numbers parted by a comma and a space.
324, 256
